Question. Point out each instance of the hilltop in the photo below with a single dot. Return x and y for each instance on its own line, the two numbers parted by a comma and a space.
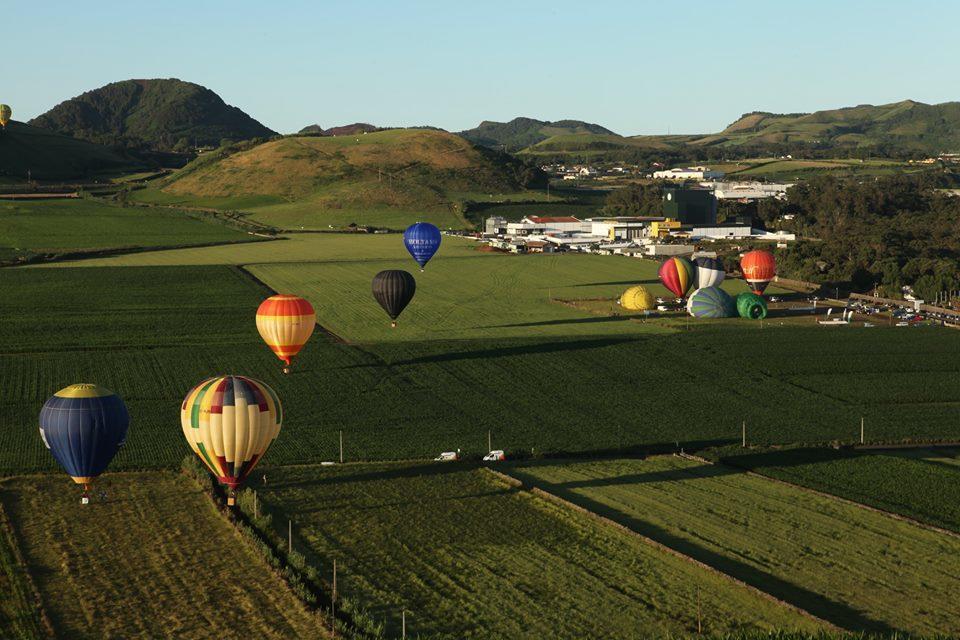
520, 133
388, 178
899, 128
162, 115
347, 129
51, 156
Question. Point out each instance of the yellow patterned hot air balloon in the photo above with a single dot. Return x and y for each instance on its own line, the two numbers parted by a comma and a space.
5, 114
285, 323
230, 421
637, 299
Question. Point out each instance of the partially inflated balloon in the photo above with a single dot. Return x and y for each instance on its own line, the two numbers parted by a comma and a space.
285, 323
83, 426
394, 290
751, 306
637, 299
711, 302
677, 275
229, 422
709, 272
759, 268
422, 241
5, 114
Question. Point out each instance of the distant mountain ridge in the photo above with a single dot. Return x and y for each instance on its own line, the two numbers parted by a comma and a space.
347, 129
160, 114
521, 133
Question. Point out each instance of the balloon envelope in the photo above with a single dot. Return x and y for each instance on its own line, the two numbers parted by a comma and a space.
422, 241
285, 323
710, 272
751, 306
637, 299
677, 275
5, 114
229, 422
83, 426
394, 290
711, 302
759, 268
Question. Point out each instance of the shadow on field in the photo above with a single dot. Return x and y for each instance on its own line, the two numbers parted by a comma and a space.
625, 283
671, 475
547, 323
324, 477
815, 603
506, 352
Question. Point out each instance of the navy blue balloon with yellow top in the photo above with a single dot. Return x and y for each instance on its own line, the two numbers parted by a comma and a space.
422, 241
84, 425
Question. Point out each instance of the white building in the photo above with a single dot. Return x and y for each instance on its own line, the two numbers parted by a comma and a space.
721, 232
555, 224
688, 173
748, 190
665, 250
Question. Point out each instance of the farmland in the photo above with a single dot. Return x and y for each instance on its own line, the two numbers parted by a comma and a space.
150, 561
450, 372
484, 560
913, 483
19, 617
85, 225
855, 568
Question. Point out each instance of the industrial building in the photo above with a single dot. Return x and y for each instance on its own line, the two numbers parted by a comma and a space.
748, 190
688, 173
690, 205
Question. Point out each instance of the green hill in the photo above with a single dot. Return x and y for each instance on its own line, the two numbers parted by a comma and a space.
356, 127
386, 178
520, 133
901, 127
160, 115
49, 156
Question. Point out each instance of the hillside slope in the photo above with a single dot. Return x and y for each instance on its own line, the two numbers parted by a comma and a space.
313, 181
900, 127
50, 156
520, 133
161, 115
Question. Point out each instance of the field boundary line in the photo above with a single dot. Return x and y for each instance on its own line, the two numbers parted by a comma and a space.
551, 497
829, 496
6, 529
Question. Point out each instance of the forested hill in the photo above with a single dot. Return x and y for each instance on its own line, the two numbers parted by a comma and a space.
160, 115
520, 133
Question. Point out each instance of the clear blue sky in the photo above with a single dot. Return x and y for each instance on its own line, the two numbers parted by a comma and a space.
635, 67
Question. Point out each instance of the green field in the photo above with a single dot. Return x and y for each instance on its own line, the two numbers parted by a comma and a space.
923, 484
855, 568
154, 560
469, 556
58, 226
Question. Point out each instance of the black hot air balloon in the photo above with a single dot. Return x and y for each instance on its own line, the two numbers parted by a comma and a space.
394, 290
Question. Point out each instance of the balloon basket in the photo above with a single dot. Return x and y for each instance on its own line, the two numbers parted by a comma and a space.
393, 325
286, 370
231, 500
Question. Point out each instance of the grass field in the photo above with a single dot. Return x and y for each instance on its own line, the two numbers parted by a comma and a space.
855, 568
543, 377
19, 617
923, 484
85, 225
469, 556
154, 560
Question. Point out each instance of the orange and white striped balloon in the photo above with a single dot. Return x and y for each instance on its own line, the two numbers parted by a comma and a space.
285, 323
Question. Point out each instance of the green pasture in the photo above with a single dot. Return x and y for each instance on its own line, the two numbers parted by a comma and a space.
855, 568
469, 556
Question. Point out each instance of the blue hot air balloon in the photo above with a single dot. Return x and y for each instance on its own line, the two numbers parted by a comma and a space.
422, 241
84, 425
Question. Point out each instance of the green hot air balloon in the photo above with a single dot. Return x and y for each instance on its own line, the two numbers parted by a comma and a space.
751, 306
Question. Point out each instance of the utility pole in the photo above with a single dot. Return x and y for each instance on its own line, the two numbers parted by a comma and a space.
333, 603
489, 441
861, 429
289, 537
256, 506
744, 434
341, 446
403, 623
699, 621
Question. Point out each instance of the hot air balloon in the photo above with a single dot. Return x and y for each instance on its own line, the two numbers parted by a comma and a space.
5, 114
637, 299
677, 274
394, 290
711, 302
285, 323
751, 306
709, 272
422, 241
759, 268
230, 421
83, 426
